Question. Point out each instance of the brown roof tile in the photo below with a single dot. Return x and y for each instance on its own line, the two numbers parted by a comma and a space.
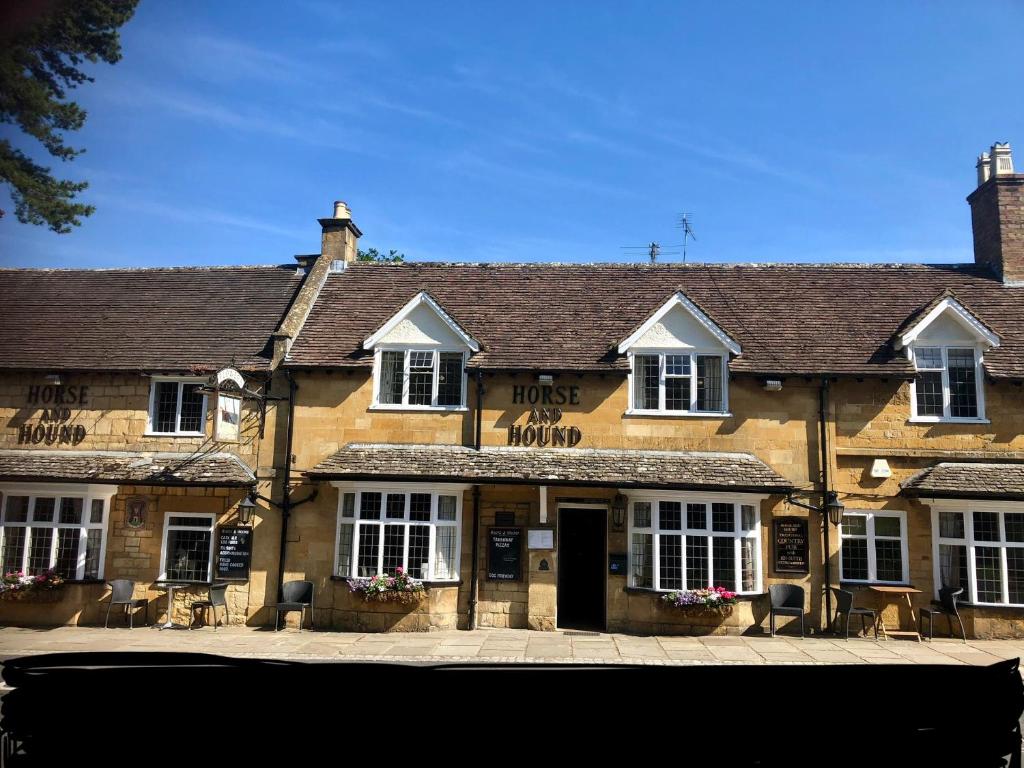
968, 481
108, 467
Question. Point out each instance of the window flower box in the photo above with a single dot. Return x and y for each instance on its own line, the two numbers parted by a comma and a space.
45, 587
399, 588
714, 600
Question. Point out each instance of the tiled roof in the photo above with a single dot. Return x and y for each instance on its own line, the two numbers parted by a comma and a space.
570, 466
210, 469
789, 319
968, 481
142, 319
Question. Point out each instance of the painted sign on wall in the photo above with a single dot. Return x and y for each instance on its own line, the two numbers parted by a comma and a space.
543, 426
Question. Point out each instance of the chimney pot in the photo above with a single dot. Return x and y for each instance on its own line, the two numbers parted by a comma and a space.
983, 167
1002, 159
339, 240
341, 210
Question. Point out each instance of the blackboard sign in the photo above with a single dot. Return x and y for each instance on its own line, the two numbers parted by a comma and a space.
504, 554
234, 552
790, 540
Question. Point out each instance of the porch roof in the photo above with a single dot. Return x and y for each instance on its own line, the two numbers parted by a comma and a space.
968, 480
678, 470
116, 467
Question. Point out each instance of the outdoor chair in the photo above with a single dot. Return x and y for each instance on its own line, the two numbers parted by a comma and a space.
218, 597
121, 591
786, 600
298, 595
948, 597
844, 605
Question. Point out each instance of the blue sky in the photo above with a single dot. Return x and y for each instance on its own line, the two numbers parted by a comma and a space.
539, 131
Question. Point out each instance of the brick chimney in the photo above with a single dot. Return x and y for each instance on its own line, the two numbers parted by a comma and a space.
997, 215
340, 235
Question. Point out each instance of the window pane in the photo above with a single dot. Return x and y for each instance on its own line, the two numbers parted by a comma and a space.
928, 357
1015, 573
855, 525
14, 549
40, 544
369, 506
696, 562
348, 505
887, 526
396, 506
93, 545
369, 539
671, 561
446, 508
641, 514
43, 510
953, 566
96, 515
748, 515
709, 383
677, 394
677, 365
641, 561
855, 559
989, 574
449, 379
189, 522
444, 552
889, 559
419, 551
645, 382
344, 564
748, 571
1014, 524
929, 394
68, 541
670, 515
986, 526
71, 511
697, 517
394, 547
951, 525
188, 554
17, 509
963, 391
192, 415
421, 378
165, 406
723, 517
724, 556
419, 507
391, 374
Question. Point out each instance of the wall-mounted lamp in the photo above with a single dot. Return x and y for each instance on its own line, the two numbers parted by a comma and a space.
773, 385
834, 507
545, 378
246, 507
53, 378
619, 511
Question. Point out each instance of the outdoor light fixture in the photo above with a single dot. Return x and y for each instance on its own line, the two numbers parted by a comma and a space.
53, 378
245, 509
835, 508
545, 378
619, 511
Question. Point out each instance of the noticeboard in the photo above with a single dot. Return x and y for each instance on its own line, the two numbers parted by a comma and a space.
234, 552
504, 554
789, 540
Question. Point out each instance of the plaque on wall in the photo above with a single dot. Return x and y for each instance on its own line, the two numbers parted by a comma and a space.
540, 538
504, 554
234, 552
790, 542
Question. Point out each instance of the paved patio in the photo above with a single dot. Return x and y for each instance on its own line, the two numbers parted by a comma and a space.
507, 645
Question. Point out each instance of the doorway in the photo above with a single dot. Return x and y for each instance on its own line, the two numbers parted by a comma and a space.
582, 542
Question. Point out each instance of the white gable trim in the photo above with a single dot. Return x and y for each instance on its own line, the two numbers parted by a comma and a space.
959, 313
421, 298
678, 299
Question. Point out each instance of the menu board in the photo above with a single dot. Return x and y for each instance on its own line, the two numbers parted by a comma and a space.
504, 554
790, 543
234, 552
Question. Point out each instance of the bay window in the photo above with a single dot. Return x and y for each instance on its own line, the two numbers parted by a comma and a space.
873, 547
948, 384
177, 407
685, 382
385, 527
420, 379
980, 546
687, 542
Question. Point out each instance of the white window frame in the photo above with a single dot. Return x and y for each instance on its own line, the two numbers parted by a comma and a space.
88, 493
693, 354
212, 517
151, 415
738, 534
405, 405
967, 508
871, 515
979, 384
435, 491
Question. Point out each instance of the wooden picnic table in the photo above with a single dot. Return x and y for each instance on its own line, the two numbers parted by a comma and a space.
905, 592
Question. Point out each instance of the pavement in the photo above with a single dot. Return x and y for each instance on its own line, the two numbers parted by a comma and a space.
506, 645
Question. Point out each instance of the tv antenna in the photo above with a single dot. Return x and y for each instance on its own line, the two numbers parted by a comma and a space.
653, 250
684, 224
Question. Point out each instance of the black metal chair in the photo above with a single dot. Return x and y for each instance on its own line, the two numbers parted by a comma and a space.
121, 591
844, 604
948, 597
786, 600
218, 597
298, 595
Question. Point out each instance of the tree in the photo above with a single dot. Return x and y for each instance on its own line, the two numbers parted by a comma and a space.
38, 66
373, 254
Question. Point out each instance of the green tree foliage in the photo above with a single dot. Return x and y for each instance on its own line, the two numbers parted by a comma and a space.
373, 254
39, 64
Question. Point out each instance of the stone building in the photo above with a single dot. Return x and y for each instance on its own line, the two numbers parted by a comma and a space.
560, 446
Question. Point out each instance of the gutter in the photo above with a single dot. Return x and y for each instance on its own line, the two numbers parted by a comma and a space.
474, 580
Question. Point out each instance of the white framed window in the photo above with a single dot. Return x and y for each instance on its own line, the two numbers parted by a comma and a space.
687, 541
56, 527
176, 407
980, 546
949, 384
187, 550
382, 527
679, 383
419, 379
873, 547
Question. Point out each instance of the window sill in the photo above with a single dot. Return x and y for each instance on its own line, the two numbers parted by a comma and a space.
423, 408
174, 434
681, 414
921, 420
845, 583
742, 596
428, 584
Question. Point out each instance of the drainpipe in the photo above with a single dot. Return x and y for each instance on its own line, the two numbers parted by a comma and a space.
286, 493
474, 580
823, 410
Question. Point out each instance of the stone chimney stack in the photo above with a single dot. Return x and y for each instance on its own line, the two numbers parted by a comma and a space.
340, 239
997, 215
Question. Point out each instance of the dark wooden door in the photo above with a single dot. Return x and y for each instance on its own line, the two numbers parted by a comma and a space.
581, 577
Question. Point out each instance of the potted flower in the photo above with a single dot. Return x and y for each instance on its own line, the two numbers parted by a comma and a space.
399, 588
715, 599
16, 585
